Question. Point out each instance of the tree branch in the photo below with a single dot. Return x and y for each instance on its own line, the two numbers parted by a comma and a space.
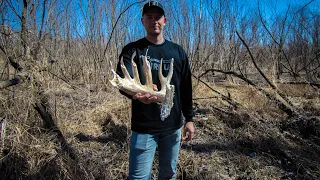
114, 26
229, 100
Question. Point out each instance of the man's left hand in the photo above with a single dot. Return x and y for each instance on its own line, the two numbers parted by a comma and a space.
188, 131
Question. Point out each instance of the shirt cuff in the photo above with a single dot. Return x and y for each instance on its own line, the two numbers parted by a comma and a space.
189, 120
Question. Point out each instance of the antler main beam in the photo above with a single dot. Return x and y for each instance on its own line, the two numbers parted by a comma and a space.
133, 85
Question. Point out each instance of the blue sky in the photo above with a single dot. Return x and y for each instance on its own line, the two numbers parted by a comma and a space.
269, 7
280, 6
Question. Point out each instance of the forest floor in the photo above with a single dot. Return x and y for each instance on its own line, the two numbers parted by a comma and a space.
255, 140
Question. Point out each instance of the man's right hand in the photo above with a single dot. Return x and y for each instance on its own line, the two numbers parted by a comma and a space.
146, 98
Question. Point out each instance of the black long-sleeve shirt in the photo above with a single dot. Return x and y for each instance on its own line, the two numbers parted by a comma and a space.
146, 117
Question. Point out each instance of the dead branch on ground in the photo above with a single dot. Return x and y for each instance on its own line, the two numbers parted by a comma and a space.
284, 103
287, 109
42, 107
226, 98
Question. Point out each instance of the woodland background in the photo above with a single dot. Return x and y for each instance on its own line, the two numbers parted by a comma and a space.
256, 79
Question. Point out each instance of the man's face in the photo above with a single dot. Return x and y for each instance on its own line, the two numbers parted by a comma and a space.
153, 21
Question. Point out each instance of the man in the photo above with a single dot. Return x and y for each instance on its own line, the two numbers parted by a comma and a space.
148, 130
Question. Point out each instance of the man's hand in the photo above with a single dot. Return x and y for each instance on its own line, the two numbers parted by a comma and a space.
188, 131
146, 98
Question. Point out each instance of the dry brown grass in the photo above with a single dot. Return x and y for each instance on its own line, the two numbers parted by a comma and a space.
248, 142
251, 142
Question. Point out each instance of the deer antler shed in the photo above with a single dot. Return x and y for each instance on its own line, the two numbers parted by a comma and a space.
133, 85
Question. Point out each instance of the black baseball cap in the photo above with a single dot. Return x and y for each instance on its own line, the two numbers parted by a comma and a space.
152, 4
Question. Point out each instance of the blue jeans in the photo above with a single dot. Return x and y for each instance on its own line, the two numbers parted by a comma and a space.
142, 150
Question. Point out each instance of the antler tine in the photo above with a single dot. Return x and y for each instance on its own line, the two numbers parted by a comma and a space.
161, 77
124, 69
165, 80
147, 73
135, 70
169, 76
